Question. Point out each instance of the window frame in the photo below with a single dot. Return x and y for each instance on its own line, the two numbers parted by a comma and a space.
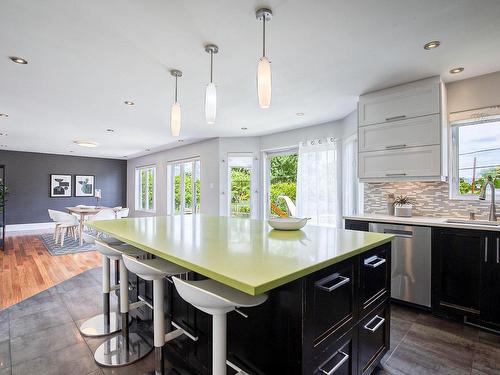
454, 180
171, 186
138, 188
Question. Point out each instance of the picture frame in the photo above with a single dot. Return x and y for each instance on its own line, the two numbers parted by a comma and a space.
60, 186
84, 185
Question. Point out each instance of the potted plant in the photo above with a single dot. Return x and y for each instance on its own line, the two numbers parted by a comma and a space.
402, 206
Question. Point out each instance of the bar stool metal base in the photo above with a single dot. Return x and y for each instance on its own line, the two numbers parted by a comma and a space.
121, 350
101, 325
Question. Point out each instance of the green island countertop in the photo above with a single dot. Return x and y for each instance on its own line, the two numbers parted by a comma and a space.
242, 253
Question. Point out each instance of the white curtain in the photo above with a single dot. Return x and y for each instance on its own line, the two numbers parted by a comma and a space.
317, 182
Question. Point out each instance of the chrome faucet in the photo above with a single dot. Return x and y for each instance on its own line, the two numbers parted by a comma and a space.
482, 196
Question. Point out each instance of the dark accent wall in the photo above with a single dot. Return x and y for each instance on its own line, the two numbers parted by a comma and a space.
27, 176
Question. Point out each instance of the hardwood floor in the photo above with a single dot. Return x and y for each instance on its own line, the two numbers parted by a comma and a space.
27, 268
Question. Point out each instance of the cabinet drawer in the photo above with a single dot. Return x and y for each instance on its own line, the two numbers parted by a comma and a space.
373, 338
414, 99
420, 131
374, 278
330, 293
403, 163
340, 358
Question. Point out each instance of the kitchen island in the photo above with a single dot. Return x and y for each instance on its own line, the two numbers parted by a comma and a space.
328, 291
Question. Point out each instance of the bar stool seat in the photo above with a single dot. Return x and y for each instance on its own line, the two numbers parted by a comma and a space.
217, 300
108, 322
157, 270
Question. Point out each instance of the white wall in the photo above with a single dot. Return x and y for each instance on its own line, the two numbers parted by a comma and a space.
213, 155
206, 150
472, 93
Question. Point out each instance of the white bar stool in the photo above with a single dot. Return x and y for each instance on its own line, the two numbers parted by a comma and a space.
217, 300
157, 270
108, 322
128, 347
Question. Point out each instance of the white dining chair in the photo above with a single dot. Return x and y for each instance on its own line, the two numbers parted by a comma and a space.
122, 213
53, 217
65, 223
104, 214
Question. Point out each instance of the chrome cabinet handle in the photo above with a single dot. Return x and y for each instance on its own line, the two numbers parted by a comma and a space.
498, 250
380, 322
486, 250
321, 284
395, 174
395, 147
374, 261
395, 118
345, 357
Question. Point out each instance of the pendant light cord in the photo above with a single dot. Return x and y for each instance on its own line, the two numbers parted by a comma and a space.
176, 89
263, 36
211, 65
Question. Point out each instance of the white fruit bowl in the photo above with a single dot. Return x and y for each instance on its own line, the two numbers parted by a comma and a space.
288, 223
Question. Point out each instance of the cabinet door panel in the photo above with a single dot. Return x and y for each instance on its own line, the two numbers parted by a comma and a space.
339, 358
420, 131
411, 100
457, 267
492, 286
374, 270
408, 162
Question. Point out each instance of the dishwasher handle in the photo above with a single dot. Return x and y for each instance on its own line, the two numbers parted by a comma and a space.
399, 232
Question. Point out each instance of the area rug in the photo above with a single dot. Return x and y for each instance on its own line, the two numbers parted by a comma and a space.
70, 245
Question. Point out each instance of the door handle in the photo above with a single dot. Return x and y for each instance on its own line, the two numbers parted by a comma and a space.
486, 250
376, 326
345, 357
322, 284
374, 261
395, 118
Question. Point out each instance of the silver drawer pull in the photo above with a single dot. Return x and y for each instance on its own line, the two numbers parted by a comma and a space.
376, 326
395, 118
374, 261
395, 174
498, 250
322, 284
486, 250
399, 233
395, 146
345, 357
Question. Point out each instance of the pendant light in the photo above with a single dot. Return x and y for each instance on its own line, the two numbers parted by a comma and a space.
264, 67
211, 90
175, 110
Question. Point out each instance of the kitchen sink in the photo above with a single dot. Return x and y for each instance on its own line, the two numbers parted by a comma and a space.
473, 222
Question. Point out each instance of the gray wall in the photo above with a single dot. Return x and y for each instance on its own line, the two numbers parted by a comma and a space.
27, 176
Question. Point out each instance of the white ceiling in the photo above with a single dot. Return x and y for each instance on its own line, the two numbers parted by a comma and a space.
87, 57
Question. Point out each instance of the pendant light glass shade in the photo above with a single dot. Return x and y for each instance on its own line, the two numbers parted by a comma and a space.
210, 103
175, 119
264, 82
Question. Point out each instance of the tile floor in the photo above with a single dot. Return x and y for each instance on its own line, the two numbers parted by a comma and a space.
40, 336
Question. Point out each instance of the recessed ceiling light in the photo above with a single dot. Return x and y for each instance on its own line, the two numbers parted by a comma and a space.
89, 144
128, 102
244, 128
432, 44
300, 114
109, 130
456, 70
18, 60
4, 115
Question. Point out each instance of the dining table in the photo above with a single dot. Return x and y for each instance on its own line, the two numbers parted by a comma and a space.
83, 212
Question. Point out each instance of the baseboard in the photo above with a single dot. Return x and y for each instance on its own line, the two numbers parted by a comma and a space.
29, 226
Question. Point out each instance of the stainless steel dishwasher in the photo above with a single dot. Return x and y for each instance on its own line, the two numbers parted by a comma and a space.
411, 262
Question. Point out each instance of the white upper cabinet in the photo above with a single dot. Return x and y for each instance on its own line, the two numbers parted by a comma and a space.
403, 133
401, 102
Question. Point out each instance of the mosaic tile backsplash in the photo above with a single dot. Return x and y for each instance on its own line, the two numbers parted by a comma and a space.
428, 198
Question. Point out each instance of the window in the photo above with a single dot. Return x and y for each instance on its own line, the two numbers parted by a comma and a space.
281, 185
476, 155
240, 184
184, 187
145, 188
